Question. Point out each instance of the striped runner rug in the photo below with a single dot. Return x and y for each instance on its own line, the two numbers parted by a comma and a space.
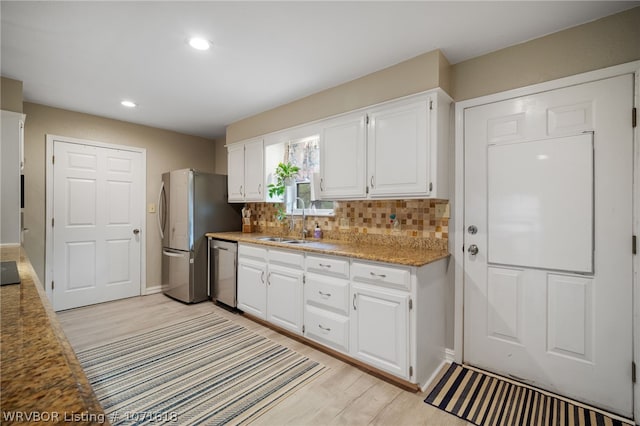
485, 399
207, 370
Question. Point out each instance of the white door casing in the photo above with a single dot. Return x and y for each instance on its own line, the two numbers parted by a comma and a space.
551, 320
95, 215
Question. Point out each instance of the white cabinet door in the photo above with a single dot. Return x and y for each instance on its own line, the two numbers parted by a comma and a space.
11, 158
245, 165
380, 328
235, 170
398, 149
252, 287
254, 171
342, 158
284, 298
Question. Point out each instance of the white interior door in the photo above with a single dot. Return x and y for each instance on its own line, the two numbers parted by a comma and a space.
548, 214
97, 224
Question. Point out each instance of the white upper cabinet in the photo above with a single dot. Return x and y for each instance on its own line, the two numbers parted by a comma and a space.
246, 171
342, 157
398, 147
394, 150
12, 158
407, 148
254, 171
235, 166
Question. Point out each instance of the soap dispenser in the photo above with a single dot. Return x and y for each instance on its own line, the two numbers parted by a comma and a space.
317, 232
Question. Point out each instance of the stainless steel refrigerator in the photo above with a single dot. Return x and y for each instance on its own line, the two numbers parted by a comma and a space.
191, 204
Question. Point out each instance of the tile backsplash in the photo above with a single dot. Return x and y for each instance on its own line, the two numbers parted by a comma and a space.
421, 222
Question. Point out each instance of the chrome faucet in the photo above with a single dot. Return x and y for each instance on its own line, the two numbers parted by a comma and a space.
304, 219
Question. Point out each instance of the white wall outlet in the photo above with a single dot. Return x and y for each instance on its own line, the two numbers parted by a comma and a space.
151, 208
344, 223
442, 210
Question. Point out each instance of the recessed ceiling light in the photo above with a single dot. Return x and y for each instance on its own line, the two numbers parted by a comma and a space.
128, 104
199, 43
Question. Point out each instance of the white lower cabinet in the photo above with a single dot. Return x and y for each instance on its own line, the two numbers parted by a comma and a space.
326, 301
327, 328
270, 285
284, 297
388, 316
380, 328
252, 284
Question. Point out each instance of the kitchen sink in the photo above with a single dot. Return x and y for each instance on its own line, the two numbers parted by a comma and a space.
275, 239
297, 241
284, 240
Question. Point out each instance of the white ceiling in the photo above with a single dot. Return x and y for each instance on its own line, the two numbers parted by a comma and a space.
88, 56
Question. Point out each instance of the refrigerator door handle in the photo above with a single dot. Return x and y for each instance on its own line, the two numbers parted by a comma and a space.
161, 211
173, 254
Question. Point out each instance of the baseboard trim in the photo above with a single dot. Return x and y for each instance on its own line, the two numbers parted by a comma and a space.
449, 355
152, 290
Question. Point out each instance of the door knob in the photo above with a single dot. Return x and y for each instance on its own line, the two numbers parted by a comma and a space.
136, 231
473, 249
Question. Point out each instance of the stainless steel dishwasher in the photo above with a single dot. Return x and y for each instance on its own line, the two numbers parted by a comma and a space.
223, 257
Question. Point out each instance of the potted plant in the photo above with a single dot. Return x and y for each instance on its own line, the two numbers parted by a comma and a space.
284, 174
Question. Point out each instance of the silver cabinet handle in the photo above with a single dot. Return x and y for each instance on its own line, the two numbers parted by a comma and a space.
262, 277
354, 301
259, 188
241, 191
322, 265
136, 231
324, 294
323, 328
269, 278
372, 181
321, 184
378, 275
473, 249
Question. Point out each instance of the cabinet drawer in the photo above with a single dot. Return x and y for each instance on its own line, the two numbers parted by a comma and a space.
288, 258
328, 265
327, 292
254, 252
327, 328
391, 276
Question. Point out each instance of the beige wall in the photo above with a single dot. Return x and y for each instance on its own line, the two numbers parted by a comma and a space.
599, 44
10, 94
608, 41
166, 151
220, 157
424, 72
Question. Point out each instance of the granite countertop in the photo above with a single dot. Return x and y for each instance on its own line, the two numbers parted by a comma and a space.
400, 255
41, 375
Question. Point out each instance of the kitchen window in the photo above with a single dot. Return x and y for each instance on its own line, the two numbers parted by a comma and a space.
305, 153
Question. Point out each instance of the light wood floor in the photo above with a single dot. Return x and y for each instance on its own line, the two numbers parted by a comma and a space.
343, 395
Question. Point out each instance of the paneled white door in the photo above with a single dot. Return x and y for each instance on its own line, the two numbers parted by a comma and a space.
548, 228
97, 208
